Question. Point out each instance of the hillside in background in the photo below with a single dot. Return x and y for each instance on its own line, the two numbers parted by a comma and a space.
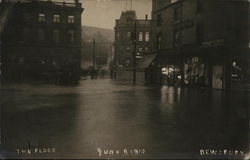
103, 47
100, 34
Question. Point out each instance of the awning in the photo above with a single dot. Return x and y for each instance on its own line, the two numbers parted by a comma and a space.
145, 61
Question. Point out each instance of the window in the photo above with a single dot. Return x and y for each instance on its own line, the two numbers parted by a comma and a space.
26, 33
118, 35
158, 43
146, 49
173, 1
71, 19
128, 48
41, 17
177, 39
199, 33
41, 34
147, 36
140, 36
56, 36
71, 36
159, 20
177, 13
56, 18
199, 6
128, 35
27, 17
140, 49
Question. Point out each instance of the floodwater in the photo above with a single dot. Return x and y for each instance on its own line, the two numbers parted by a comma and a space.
107, 119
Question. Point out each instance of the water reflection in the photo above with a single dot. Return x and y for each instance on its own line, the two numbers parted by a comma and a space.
108, 115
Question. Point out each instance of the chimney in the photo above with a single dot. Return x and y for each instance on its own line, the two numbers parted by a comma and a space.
76, 1
146, 17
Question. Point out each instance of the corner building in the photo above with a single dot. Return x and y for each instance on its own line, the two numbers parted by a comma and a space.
202, 42
41, 41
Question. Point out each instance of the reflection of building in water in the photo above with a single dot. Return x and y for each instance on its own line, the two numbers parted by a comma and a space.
42, 41
203, 42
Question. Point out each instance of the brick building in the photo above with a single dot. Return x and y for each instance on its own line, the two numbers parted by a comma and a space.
202, 41
41, 40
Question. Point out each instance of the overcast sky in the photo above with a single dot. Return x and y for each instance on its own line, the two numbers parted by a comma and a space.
102, 13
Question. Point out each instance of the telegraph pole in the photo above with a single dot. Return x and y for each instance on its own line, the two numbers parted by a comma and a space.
134, 53
94, 58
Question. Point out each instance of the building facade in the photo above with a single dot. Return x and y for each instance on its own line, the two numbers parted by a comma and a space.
41, 40
201, 42
128, 31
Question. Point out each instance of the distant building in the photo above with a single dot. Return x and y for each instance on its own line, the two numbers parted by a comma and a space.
202, 42
126, 28
41, 40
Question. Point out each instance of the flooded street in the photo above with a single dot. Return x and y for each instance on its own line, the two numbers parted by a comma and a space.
82, 121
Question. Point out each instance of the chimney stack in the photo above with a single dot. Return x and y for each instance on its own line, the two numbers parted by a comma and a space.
146, 17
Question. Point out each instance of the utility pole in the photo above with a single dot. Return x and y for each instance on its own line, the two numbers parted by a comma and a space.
134, 53
131, 4
94, 58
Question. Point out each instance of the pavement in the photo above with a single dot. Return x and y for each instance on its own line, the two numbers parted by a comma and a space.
103, 118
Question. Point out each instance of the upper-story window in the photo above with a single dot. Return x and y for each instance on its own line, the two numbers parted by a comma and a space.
71, 19
71, 36
177, 13
177, 39
158, 42
128, 35
159, 20
41, 34
41, 17
118, 35
199, 6
56, 36
140, 36
56, 18
199, 33
147, 36
173, 1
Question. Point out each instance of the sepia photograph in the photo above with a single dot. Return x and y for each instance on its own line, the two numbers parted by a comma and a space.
125, 79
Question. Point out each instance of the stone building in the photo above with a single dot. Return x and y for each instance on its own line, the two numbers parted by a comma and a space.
41, 41
201, 42
127, 30
132, 47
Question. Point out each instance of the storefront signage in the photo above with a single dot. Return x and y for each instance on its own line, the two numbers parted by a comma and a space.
214, 43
